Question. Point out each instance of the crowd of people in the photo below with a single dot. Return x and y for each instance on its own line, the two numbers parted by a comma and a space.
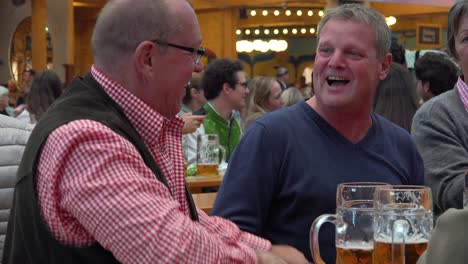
101, 178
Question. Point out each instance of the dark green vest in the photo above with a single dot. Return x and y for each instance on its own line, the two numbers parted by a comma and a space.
28, 238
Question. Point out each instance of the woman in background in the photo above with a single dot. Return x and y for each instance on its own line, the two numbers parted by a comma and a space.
396, 98
192, 105
291, 96
45, 88
264, 97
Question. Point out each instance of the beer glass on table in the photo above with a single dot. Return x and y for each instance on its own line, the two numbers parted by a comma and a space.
403, 220
209, 154
353, 223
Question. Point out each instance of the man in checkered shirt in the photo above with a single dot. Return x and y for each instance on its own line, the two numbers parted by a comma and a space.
101, 180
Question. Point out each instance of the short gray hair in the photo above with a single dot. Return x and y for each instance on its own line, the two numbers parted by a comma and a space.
123, 24
457, 11
362, 14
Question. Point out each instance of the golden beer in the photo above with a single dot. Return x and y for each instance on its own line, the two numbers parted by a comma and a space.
353, 255
207, 169
388, 253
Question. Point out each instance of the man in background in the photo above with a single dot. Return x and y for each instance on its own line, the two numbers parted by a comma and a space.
225, 86
436, 73
28, 78
282, 76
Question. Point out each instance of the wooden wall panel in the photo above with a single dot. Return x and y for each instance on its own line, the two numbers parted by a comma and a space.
38, 24
83, 51
218, 29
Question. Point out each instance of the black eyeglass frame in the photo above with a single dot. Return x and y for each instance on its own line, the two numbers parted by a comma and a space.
198, 52
244, 84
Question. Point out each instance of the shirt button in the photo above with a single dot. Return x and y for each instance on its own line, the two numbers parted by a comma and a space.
162, 149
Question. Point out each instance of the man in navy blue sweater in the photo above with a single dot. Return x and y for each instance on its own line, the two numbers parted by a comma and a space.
285, 170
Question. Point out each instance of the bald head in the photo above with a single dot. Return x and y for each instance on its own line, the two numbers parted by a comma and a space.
123, 24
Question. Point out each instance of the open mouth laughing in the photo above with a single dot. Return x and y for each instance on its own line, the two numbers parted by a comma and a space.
336, 80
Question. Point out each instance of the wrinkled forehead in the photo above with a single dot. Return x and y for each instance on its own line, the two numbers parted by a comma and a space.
346, 23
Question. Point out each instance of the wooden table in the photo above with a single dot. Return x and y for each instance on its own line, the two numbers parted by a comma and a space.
204, 201
196, 183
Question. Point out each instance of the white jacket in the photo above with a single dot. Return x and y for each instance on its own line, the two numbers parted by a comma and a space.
13, 137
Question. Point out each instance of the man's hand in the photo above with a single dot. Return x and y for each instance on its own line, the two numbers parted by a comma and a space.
191, 122
289, 254
266, 257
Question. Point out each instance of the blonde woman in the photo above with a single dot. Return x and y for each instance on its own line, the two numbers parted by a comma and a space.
264, 97
291, 96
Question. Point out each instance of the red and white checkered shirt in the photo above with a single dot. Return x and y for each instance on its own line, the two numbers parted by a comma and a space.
93, 186
463, 91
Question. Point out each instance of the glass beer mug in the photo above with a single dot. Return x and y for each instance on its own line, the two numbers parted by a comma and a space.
209, 154
353, 223
403, 221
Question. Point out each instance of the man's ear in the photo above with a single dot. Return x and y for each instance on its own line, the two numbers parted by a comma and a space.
143, 57
226, 88
385, 66
427, 87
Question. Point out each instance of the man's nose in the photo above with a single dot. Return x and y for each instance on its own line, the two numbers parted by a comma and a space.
337, 60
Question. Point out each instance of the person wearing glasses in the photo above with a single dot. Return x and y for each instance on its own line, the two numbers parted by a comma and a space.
101, 179
288, 164
225, 86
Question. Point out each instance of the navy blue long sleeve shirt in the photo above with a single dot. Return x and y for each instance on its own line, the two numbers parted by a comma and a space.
285, 171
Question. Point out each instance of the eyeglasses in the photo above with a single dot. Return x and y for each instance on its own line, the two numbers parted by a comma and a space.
197, 52
244, 84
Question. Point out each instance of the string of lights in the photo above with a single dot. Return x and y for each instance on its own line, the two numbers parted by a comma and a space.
273, 38
274, 11
268, 32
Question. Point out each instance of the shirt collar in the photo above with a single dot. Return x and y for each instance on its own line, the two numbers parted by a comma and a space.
463, 91
148, 122
210, 106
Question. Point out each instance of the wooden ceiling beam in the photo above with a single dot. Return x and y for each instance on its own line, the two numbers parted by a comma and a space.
394, 9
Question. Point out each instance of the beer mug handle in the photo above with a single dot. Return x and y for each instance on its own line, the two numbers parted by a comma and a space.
223, 154
314, 235
400, 229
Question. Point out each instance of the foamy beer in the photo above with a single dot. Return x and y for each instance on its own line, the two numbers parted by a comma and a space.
403, 223
353, 222
209, 154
